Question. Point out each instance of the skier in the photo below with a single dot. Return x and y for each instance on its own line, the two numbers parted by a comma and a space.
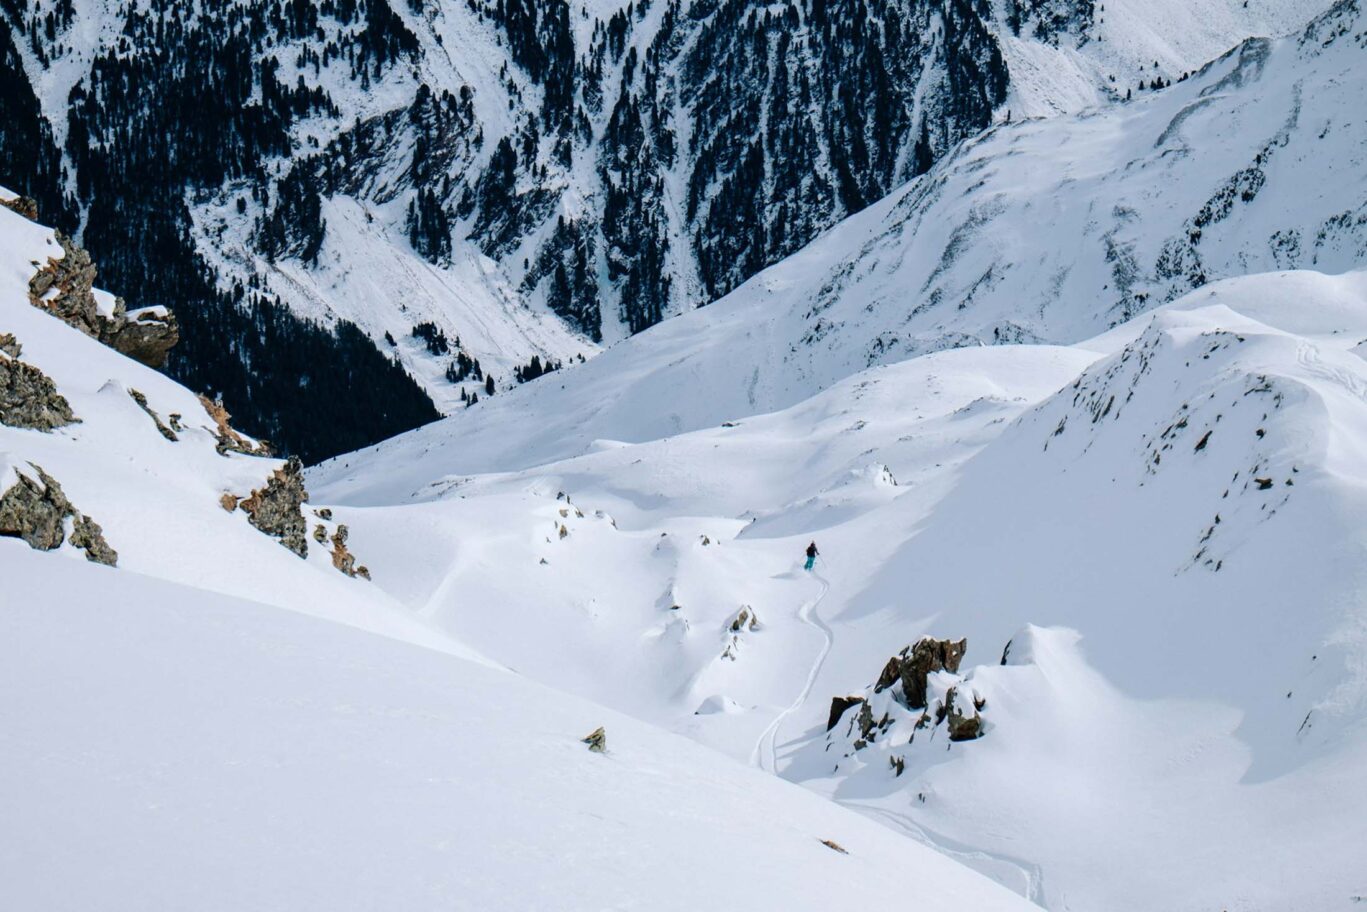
811, 555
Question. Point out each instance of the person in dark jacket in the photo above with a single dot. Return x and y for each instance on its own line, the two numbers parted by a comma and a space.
811, 556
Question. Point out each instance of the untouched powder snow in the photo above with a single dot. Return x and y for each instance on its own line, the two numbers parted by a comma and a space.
1164, 523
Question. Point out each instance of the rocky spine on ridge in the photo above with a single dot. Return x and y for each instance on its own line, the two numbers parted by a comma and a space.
229, 440
65, 288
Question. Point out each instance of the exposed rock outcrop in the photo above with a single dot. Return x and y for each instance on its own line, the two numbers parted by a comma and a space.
64, 288
229, 440
913, 664
597, 740
342, 559
961, 714
839, 706
36, 511
745, 619
87, 535
24, 205
162, 429
919, 698
10, 345
277, 508
28, 397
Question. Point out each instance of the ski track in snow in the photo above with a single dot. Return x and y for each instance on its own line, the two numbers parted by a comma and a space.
807, 614
1032, 878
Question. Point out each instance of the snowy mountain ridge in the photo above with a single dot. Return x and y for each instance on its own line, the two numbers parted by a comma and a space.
527, 179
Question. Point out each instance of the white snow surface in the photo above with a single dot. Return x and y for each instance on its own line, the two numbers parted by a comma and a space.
1145, 516
218, 724
1186, 699
1158, 505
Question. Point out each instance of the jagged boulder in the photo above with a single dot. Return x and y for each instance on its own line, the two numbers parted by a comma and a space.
961, 716
36, 511
65, 288
745, 619
277, 508
913, 664
597, 740
28, 397
87, 535
10, 345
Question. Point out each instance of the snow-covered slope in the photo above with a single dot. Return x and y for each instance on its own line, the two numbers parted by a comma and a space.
173, 748
1049, 230
158, 500
209, 721
1158, 529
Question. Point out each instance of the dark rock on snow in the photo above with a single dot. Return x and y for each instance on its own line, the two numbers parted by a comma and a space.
28, 397
839, 705
277, 508
37, 511
913, 664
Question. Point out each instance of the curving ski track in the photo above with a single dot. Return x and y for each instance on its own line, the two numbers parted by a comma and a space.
764, 755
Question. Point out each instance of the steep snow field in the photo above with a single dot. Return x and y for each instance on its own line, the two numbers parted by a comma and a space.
218, 724
1150, 537
1143, 515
